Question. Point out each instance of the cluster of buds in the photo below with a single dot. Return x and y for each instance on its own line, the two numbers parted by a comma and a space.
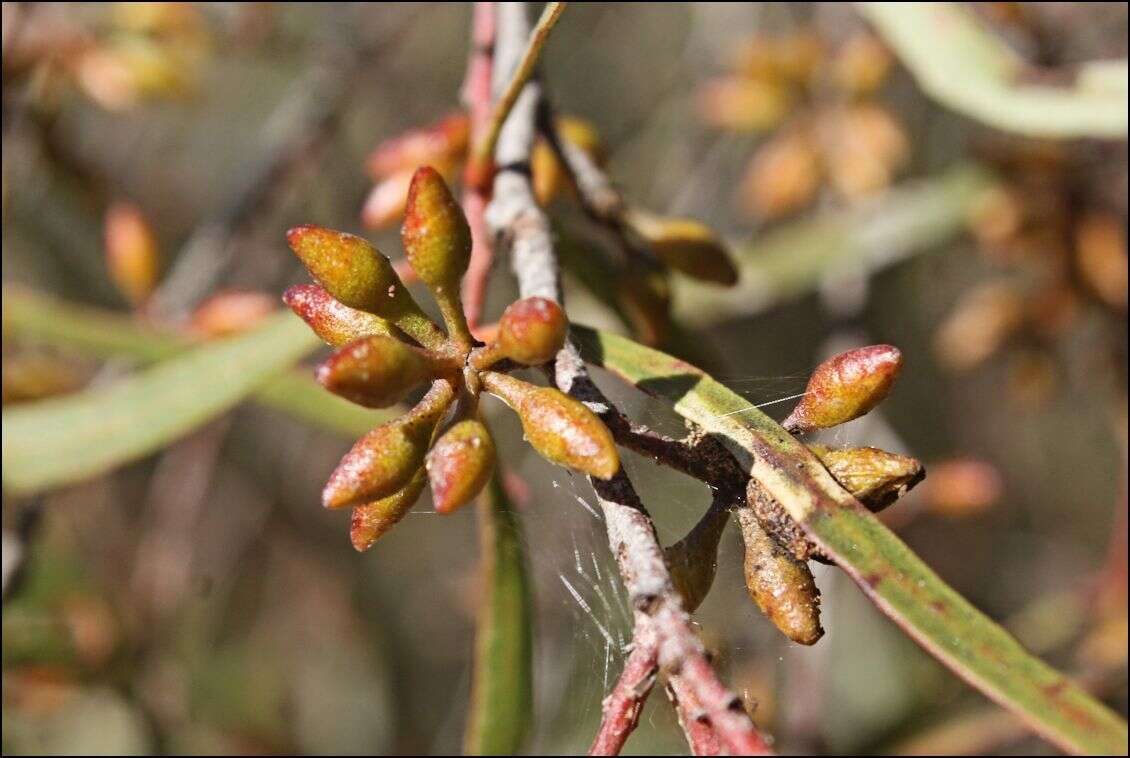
125, 54
387, 347
840, 390
1057, 244
820, 105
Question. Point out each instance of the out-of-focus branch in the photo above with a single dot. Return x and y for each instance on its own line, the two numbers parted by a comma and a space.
521, 227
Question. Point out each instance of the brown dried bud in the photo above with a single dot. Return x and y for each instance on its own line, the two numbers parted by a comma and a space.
685, 245
563, 430
875, 477
131, 251
846, 387
780, 585
459, 464
371, 520
385, 459
232, 312
376, 371
335, 323
435, 235
532, 331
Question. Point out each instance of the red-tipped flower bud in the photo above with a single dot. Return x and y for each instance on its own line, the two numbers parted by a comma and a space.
435, 234
532, 331
376, 371
385, 459
372, 520
335, 323
459, 464
561, 429
846, 387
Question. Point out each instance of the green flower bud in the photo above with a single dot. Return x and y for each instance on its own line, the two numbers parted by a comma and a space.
532, 331
561, 429
459, 464
371, 520
436, 237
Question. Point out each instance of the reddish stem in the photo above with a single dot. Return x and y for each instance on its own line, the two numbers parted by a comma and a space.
477, 94
621, 709
701, 737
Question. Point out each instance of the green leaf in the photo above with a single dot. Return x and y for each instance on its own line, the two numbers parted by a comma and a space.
892, 576
40, 319
64, 440
502, 688
966, 67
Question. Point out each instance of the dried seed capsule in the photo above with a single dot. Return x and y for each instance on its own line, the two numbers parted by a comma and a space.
561, 429
385, 459
685, 245
780, 585
459, 464
532, 331
376, 371
335, 323
371, 520
359, 276
131, 251
436, 237
875, 477
846, 387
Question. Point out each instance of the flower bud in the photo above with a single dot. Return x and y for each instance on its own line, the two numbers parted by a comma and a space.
442, 142
548, 175
979, 324
875, 477
375, 371
685, 245
436, 237
335, 323
644, 297
371, 520
846, 387
783, 176
780, 585
386, 201
459, 464
131, 251
532, 331
563, 430
961, 487
385, 459
359, 276
743, 104
232, 312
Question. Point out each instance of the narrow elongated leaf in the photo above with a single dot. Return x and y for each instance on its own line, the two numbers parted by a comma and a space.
41, 319
64, 440
502, 689
964, 66
892, 576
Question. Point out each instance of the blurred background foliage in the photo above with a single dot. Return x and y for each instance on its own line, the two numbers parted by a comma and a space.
200, 600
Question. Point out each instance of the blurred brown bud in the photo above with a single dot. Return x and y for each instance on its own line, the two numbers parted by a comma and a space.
371, 520
740, 104
996, 217
376, 371
961, 487
532, 331
548, 174
460, 464
845, 387
385, 459
780, 585
131, 251
1100, 256
685, 245
231, 312
862, 65
875, 477
782, 177
865, 146
335, 323
563, 430
435, 235
982, 320
444, 142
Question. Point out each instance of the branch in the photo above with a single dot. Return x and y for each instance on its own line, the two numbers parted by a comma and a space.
520, 227
621, 709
